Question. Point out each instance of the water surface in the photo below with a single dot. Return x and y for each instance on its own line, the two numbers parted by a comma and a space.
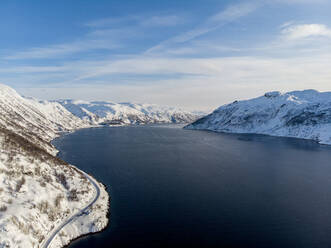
172, 187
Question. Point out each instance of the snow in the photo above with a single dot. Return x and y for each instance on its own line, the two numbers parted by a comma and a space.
82, 225
300, 114
37, 190
40, 121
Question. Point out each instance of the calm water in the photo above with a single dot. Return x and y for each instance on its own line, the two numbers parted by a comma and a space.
172, 187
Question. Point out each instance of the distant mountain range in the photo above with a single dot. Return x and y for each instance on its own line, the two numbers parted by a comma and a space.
301, 114
103, 112
41, 121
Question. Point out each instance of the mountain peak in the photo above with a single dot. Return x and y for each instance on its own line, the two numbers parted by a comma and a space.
272, 94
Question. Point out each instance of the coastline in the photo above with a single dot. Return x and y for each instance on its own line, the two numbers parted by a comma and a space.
100, 222
92, 233
60, 242
213, 130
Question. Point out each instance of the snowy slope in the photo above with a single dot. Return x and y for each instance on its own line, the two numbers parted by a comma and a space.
301, 114
126, 113
60, 117
34, 120
38, 192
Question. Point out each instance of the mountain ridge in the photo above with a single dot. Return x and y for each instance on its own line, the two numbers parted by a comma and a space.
98, 112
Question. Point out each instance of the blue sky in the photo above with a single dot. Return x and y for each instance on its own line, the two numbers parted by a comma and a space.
195, 54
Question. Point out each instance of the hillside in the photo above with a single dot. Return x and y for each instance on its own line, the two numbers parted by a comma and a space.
39, 191
36, 121
300, 114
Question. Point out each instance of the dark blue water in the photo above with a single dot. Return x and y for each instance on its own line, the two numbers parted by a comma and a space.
173, 188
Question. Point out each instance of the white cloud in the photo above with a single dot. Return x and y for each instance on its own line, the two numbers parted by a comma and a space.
303, 31
200, 83
207, 84
294, 39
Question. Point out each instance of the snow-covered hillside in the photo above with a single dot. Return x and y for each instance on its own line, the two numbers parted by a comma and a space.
38, 121
101, 112
301, 114
38, 192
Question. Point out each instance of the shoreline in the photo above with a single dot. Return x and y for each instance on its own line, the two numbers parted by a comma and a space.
93, 233
108, 214
318, 142
69, 242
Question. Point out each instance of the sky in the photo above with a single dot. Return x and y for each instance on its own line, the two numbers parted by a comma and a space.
194, 54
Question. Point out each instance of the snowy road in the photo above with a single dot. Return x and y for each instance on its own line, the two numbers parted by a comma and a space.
52, 235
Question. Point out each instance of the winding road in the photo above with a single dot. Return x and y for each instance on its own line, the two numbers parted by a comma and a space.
54, 232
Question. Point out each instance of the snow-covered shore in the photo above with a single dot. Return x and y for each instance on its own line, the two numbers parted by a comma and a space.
93, 219
38, 191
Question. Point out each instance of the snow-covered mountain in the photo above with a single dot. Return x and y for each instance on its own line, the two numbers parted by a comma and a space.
103, 112
301, 114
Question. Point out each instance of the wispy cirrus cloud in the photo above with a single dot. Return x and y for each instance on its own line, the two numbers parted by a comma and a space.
229, 14
313, 2
105, 34
62, 50
110, 21
234, 12
163, 21
139, 20
218, 20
